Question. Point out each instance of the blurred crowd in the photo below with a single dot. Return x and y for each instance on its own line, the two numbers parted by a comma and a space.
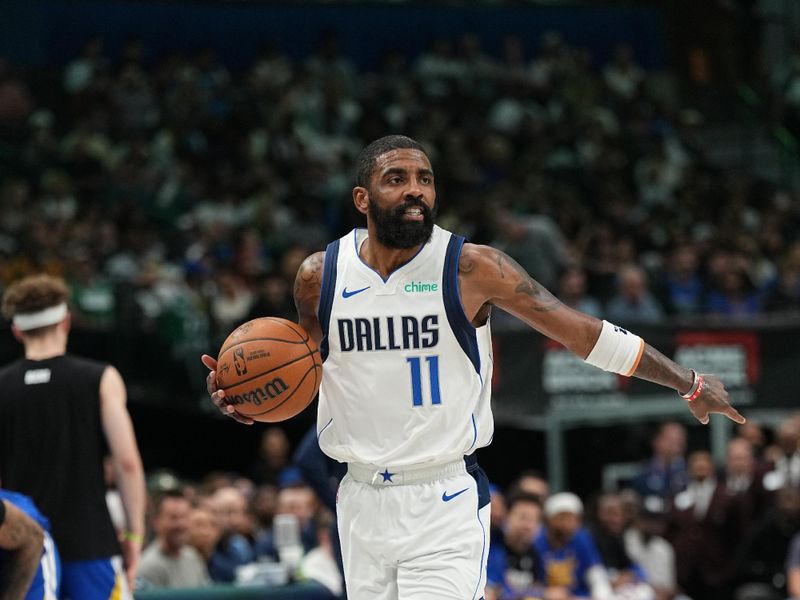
683, 527
178, 194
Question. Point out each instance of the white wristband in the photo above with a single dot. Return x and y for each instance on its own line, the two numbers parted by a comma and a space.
616, 350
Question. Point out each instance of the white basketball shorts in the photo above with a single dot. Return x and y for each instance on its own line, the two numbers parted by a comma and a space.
420, 534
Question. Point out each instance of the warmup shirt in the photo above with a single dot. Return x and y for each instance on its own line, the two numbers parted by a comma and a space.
407, 376
52, 448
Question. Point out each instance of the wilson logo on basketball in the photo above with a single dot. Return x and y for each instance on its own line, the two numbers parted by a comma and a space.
259, 395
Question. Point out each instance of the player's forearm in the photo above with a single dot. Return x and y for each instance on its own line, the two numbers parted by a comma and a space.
20, 565
130, 481
18, 572
657, 368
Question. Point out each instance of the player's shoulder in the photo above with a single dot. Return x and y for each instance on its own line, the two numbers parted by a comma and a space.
313, 262
10, 368
311, 269
82, 362
476, 258
308, 283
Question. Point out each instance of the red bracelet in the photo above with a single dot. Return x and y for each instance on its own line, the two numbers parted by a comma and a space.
696, 389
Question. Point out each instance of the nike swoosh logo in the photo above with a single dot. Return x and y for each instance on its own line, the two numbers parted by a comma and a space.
447, 498
346, 294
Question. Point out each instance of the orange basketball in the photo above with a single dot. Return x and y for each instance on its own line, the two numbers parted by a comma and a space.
270, 369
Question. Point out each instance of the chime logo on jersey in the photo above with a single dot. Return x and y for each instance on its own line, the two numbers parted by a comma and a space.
388, 333
416, 287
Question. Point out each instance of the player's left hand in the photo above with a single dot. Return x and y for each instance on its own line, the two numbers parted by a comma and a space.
217, 395
131, 551
713, 399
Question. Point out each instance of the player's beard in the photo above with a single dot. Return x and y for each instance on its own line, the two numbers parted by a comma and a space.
393, 231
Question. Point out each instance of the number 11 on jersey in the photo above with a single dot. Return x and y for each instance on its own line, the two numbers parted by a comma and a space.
416, 378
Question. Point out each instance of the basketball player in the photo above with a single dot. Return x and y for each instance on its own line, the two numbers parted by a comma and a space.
59, 415
401, 312
30, 568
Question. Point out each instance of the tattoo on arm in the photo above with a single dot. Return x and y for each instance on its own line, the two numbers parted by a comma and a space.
465, 263
544, 300
500, 263
310, 271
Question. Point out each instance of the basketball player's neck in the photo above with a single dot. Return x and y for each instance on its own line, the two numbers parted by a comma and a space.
383, 259
49, 345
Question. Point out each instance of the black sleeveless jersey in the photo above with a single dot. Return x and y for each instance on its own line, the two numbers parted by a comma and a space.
52, 447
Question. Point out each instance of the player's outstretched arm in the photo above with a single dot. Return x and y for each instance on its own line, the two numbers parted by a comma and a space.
489, 276
22, 538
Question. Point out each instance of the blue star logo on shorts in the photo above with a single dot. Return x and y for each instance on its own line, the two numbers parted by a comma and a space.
387, 476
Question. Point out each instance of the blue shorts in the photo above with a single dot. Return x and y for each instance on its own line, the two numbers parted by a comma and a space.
102, 579
45, 584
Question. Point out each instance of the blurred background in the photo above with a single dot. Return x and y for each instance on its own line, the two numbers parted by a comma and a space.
176, 161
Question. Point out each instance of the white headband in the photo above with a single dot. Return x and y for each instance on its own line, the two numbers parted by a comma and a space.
43, 318
563, 502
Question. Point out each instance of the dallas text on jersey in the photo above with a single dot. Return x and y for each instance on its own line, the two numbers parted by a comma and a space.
388, 333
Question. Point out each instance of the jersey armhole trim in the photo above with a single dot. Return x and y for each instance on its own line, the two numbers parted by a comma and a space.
462, 327
326, 294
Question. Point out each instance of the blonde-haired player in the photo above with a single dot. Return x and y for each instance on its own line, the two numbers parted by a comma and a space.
59, 414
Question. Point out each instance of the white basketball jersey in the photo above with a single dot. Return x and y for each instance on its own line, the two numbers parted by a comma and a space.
406, 376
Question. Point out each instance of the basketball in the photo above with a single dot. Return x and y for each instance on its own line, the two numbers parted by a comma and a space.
270, 369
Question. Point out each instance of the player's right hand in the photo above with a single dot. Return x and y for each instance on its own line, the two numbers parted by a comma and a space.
713, 399
218, 396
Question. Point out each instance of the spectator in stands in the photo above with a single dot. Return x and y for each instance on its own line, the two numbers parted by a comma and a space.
702, 534
535, 242
734, 296
204, 532
633, 301
572, 292
323, 475
761, 567
498, 510
530, 481
169, 561
682, 288
274, 298
622, 75
297, 500
744, 487
272, 458
607, 530
263, 506
646, 545
320, 564
233, 548
753, 432
231, 305
15, 99
511, 571
665, 473
568, 555
785, 295
785, 468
